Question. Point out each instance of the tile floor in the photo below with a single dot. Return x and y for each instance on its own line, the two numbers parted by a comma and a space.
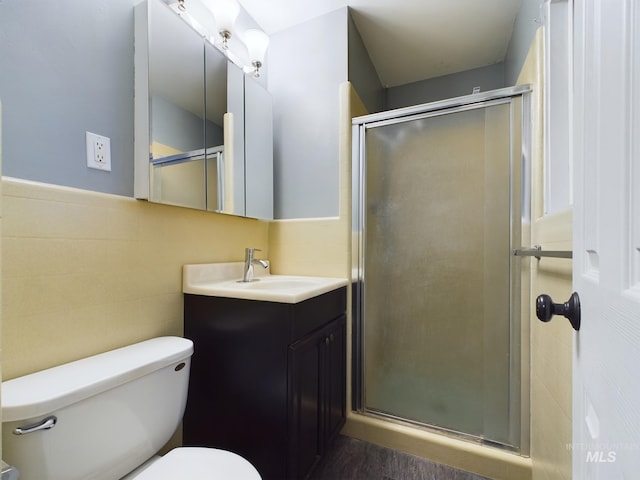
352, 459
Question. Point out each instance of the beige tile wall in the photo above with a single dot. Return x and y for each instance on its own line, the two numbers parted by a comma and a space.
551, 343
86, 272
551, 346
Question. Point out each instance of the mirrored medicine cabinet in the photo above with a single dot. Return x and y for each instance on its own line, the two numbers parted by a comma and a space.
203, 129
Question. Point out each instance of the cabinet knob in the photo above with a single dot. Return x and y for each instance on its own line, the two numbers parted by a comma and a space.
326, 340
331, 337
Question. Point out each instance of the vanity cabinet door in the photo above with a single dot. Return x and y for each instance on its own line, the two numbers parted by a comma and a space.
304, 407
335, 382
317, 382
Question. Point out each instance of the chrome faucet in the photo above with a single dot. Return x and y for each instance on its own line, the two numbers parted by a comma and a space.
248, 264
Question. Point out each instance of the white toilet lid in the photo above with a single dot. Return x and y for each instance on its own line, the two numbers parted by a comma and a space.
199, 463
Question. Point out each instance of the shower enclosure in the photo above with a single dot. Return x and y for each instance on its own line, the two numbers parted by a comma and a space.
440, 203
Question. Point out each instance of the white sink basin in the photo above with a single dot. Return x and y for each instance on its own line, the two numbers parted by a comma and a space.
223, 280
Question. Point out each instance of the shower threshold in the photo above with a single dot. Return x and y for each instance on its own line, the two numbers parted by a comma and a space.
435, 429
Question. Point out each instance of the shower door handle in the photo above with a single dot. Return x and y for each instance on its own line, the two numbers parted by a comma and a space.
546, 309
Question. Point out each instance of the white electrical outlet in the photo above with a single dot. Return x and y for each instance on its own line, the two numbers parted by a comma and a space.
98, 152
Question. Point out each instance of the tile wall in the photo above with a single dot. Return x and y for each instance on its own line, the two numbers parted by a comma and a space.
85, 272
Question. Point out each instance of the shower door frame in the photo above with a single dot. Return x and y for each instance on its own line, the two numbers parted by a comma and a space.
520, 213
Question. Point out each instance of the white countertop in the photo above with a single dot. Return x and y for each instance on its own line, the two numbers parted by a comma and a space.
224, 280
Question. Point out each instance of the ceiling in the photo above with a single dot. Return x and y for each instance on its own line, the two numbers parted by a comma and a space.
409, 40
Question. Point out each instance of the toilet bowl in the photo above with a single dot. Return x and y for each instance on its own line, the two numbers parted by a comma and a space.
105, 417
196, 463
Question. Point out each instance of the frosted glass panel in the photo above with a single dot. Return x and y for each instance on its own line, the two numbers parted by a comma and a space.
437, 281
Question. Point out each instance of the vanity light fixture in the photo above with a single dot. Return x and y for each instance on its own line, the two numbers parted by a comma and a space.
257, 42
197, 15
207, 16
225, 12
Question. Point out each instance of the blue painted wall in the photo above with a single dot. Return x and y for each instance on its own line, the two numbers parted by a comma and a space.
66, 67
307, 63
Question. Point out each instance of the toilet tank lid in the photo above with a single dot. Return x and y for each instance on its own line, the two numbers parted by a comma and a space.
47, 391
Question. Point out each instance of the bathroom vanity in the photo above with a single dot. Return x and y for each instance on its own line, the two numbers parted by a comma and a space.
268, 378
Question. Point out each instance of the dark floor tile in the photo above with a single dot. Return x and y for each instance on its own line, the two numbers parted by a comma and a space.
353, 459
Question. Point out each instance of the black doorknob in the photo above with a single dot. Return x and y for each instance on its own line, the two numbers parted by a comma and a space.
546, 309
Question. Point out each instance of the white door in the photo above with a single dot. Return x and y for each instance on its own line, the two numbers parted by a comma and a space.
606, 271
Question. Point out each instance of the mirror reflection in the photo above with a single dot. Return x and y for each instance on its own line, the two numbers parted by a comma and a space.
176, 111
215, 75
196, 122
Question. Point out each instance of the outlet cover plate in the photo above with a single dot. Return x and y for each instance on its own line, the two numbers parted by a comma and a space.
98, 152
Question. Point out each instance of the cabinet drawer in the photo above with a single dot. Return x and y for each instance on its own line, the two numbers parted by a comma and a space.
317, 311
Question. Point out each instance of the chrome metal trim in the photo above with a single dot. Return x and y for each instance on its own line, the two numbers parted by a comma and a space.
439, 112
45, 424
186, 156
525, 275
536, 251
9, 472
517, 171
444, 104
358, 247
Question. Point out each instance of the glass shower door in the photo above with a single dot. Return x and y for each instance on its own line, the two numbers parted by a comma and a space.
440, 345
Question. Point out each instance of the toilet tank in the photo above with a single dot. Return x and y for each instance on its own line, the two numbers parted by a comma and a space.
112, 412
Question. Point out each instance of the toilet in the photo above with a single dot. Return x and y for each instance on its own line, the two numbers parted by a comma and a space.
105, 417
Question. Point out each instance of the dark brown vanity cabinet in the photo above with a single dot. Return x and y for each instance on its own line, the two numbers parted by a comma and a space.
268, 379
317, 394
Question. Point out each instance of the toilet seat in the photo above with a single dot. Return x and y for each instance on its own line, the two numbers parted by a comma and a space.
199, 463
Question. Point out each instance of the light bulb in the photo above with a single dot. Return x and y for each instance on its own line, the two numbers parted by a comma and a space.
226, 13
257, 42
